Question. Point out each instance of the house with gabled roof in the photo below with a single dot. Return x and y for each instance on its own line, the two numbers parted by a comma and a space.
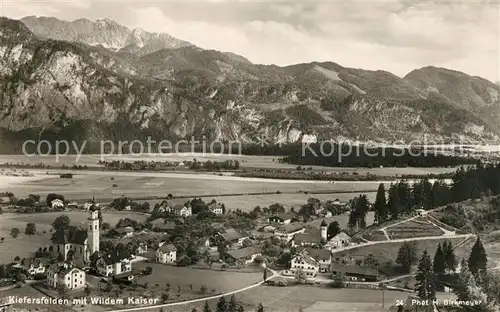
244, 255
309, 238
65, 274
33, 266
322, 256
114, 262
338, 241
304, 262
355, 272
234, 238
287, 232
282, 218
166, 253
181, 210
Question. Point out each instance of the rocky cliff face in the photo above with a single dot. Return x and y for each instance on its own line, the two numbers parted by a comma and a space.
104, 32
63, 90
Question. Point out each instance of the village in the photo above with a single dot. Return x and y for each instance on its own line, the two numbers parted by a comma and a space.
177, 251
271, 240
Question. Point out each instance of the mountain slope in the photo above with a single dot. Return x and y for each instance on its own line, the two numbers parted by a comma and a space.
67, 90
474, 94
103, 32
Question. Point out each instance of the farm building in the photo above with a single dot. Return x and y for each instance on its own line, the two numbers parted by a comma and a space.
305, 263
282, 218
245, 255
126, 231
33, 266
233, 237
339, 240
310, 239
73, 278
287, 232
355, 272
114, 263
323, 257
182, 211
216, 208
166, 254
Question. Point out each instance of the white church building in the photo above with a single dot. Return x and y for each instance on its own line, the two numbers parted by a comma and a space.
77, 244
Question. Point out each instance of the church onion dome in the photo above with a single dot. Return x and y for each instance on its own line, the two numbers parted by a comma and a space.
94, 208
323, 223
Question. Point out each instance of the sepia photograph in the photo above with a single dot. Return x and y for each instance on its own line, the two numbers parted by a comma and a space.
249, 156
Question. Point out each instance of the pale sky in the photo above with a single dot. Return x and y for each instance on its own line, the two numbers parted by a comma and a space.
397, 36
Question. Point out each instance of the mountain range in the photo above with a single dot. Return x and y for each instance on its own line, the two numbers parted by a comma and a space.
98, 80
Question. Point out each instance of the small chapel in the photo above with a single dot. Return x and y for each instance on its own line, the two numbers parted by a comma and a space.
77, 244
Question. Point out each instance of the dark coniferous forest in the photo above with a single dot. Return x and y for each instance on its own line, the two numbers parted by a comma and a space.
362, 156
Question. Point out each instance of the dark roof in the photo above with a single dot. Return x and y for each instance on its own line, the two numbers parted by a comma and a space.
123, 275
353, 269
169, 225
232, 235
317, 254
323, 223
314, 238
284, 216
292, 227
167, 248
32, 261
116, 256
70, 235
178, 207
244, 252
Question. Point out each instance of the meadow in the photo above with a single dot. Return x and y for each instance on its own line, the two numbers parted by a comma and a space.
246, 161
384, 252
183, 277
25, 246
108, 185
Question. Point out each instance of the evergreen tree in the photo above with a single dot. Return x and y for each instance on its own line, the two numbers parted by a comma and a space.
206, 307
439, 265
427, 199
426, 287
221, 305
449, 256
464, 277
477, 258
232, 305
260, 308
404, 196
393, 202
380, 205
407, 255
362, 207
333, 229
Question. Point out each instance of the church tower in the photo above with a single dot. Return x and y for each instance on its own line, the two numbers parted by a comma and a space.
324, 230
93, 230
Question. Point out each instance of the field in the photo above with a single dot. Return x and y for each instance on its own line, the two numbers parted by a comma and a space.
25, 246
140, 184
414, 228
221, 281
384, 252
245, 161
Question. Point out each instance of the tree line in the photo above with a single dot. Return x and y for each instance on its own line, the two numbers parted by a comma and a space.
344, 155
402, 198
472, 283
